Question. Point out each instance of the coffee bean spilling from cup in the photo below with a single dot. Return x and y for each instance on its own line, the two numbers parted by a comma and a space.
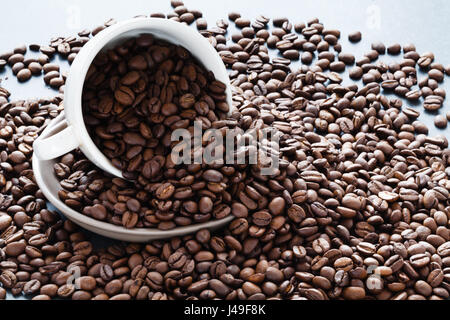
358, 209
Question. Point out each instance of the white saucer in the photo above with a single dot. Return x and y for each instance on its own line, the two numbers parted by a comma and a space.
49, 184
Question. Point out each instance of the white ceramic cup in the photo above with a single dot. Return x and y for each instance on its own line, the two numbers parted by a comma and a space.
74, 133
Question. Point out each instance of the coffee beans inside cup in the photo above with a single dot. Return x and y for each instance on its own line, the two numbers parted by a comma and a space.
138, 93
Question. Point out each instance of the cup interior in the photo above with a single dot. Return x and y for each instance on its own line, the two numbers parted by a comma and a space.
167, 30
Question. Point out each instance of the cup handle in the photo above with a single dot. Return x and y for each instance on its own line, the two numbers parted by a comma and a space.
56, 145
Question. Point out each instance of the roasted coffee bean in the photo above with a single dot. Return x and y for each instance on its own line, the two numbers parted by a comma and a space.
15, 58
436, 74
212, 176
356, 73
50, 67
440, 121
354, 293
394, 49
187, 17
15, 248
239, 210
106, 272
444, 249
347, 58
307, 57
8, 279
124, 95
86, 283
379, 47
435, 278
242, 22
201, 24
35, 68
425, 60
5, 221
17, 67
261, 218
337, 66
355, 36
233, 16
31, 287
24, 75
98, 212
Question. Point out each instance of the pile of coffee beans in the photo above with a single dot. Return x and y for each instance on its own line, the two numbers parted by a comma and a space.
193, 195
359, 208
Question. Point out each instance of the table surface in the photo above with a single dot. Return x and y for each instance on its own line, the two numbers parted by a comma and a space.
424, 23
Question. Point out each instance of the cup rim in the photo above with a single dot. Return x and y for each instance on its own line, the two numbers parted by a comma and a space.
73, 92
